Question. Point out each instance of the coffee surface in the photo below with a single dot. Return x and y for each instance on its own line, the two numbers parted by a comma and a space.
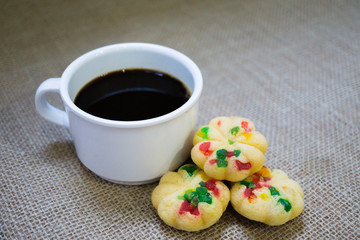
132, 94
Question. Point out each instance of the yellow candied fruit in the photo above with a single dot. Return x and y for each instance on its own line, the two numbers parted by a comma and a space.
265, 172
264, 197
247, 136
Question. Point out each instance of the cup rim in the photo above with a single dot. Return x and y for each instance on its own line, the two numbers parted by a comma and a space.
186, 61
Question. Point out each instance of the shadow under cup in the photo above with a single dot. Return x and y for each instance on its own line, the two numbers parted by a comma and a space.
131, 152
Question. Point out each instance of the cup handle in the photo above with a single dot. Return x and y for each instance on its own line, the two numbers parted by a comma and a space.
44, 108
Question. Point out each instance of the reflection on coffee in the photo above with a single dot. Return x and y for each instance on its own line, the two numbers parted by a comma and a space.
132, 94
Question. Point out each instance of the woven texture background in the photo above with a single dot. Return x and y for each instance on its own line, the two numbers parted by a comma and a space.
292, 67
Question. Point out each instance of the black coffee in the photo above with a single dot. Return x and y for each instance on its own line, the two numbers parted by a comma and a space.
132, 94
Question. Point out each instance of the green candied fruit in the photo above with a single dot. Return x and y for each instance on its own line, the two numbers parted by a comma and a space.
235, 130
221, 163
221, 154
285, 203
189, 169
205, 131
181, 198
194, 201
231, 142
190, 194
273, 191
206, 197
202, 184
250, 184
237, 152
201, 194
243, 182
201, 190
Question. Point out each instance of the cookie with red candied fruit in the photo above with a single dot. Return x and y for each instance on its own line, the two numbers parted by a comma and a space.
268, 196
229, 148
189, 200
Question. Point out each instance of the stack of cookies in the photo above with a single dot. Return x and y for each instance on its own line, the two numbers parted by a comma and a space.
229, 149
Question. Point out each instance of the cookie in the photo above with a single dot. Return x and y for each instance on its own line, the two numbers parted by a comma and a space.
229, 148
190, 200
268, 196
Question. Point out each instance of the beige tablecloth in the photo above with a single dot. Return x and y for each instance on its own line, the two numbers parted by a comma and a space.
293, 67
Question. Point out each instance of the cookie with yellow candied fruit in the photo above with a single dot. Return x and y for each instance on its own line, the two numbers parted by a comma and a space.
189, 200
229, 148
268, 196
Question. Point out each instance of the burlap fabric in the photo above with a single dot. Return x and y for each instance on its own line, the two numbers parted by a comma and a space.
293, 67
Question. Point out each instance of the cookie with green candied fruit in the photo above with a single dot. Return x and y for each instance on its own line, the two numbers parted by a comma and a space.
190, 200
229, 148
268, 196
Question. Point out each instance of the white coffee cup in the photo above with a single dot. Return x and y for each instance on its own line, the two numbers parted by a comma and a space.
126, 152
